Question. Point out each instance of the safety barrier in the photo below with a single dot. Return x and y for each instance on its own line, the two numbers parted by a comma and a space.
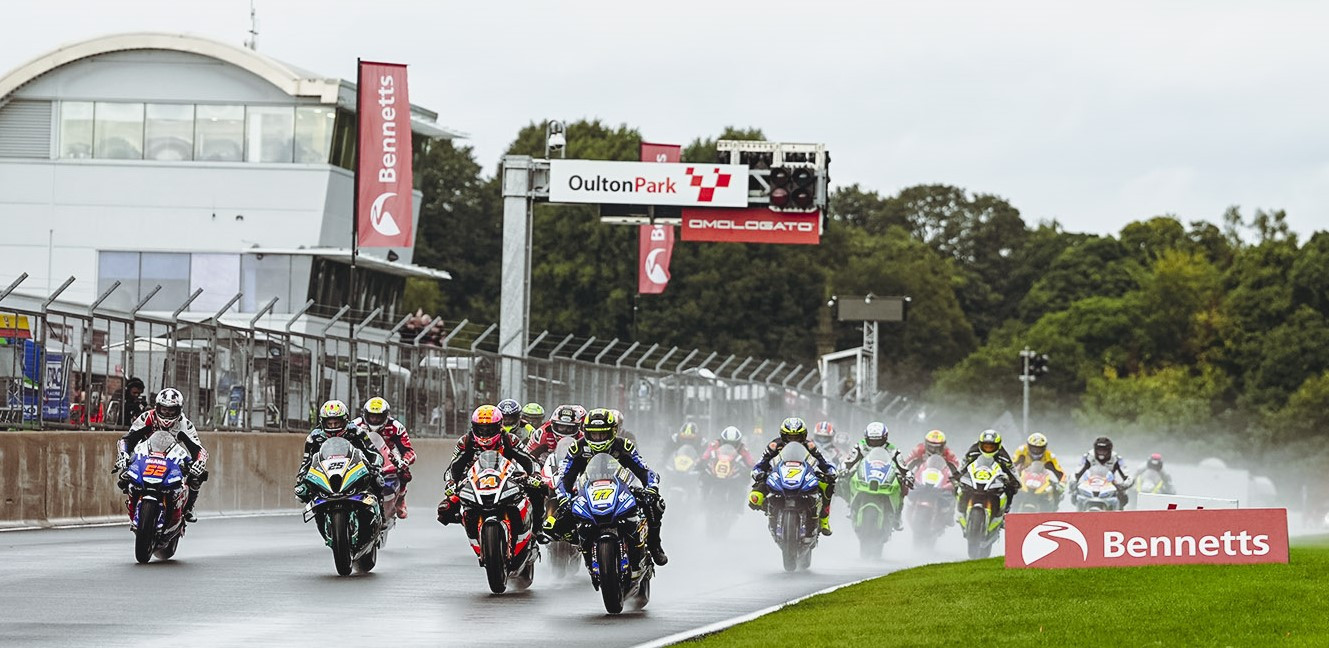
59, 478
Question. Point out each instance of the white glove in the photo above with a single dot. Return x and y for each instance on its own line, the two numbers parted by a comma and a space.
196, 469
121, 461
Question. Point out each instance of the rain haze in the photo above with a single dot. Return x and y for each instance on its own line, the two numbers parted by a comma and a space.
1093, 114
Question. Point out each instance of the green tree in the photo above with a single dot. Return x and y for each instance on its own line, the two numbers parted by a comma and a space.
1093, 266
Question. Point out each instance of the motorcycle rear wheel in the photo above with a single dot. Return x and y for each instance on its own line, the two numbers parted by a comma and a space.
870, 531
341, 542
493, 545
145, 536
611, 580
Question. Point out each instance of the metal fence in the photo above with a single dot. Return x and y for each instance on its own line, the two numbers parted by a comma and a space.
66, 365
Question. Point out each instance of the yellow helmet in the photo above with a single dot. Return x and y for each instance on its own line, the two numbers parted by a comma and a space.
375, 413
935, 441
1037, 444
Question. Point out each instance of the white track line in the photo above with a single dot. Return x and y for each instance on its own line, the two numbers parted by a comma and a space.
713, 628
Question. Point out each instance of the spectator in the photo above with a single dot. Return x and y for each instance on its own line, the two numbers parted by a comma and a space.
133, 402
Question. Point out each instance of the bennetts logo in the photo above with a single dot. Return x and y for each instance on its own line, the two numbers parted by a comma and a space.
1045, 539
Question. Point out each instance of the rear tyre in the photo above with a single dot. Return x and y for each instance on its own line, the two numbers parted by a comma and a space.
145, 536
975, 530
341, 542
494, 548
611, 579
791, 539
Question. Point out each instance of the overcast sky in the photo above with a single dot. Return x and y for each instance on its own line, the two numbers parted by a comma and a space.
1095, 114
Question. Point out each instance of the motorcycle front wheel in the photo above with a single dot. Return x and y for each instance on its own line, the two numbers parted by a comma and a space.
145, 536
341, 542
791, 539
494, 547
976, 530
611, 580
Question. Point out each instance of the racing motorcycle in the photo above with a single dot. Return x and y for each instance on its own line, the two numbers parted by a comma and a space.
722, 486
1040, 490
394, 487
983, 502
563, 555
498, 519
932, 500
680, 478
1151, 481
155, 483
875, 499
611, 531
344, 506
1097, 490
792, 502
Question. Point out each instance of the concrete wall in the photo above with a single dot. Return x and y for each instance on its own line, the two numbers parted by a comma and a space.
62, 478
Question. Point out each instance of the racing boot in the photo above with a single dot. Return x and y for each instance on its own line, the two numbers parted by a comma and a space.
825, 525
401, 507
658, 555
189, 506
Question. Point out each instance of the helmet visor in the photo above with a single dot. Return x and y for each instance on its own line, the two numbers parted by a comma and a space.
875, 442
511, 419
599, 434
987, 448
334, 424
376, 419
485, 430
564, 429
168, 412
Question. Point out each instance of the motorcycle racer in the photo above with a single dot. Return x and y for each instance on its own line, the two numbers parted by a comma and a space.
486, 433
1155, 463
934, 442
823, 434
334, 420
566, 422
730, 436
376, 416
1102, 455
794, 430
601, 428
510, 410
876, 435
167, 414
1035, 450
989, 445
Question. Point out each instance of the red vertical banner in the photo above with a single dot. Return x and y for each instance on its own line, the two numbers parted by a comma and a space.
655, 242
383, 175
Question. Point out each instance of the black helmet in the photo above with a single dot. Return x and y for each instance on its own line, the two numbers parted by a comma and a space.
1102, 449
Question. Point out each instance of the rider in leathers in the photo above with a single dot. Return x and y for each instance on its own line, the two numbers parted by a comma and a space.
565, 423
1103, 455
793, 429
989, 445
334, 421
601, 428
167, 415
486, 434
377, 417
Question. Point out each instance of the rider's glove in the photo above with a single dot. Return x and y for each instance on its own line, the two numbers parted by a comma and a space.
121, 461
755, 499
535, 483
196, 469
302, 492
564, 503
909, 481
449, 489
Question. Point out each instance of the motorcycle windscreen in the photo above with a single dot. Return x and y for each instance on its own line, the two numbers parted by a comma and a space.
934, 471
335, 447
161, 441
878, 467
725, 463
604, 489
792, 469
1100, 481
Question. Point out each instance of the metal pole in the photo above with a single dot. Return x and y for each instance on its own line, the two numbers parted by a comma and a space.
5, 293
709, 358
476, 344
394, 329
774, 371
253, 322
646, 355
103, 297
50, 299
724, 364
756, 371
447, 338
665, 358
739, 368
358, 329
1025, 355
632, 348
298, 314
514, 282
175, 315
605, 350
560, 345
811, 374
531, 347
217, 317
248, 406
144, 302
797, 370
175, 332
582, 348
328, 326
689, 356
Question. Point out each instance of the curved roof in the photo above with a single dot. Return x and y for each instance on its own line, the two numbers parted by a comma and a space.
292, 81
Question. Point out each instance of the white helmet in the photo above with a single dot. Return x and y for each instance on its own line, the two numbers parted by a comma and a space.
731, 434
170, 406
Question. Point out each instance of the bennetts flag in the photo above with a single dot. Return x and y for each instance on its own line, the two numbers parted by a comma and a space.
383, 177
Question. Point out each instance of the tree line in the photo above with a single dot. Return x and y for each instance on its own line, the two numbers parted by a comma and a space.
1201, 331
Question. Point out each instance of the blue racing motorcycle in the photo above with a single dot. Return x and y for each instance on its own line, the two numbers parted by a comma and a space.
611, 530
792, 499
155, 483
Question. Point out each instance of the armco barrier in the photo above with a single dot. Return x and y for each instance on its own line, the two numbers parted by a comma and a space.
64, 478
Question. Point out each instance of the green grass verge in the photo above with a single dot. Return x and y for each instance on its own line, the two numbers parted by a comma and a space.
980, 603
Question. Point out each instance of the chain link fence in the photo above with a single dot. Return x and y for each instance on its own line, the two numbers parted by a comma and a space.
67, 366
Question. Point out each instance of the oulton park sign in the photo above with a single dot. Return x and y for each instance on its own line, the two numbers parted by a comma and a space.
639, 183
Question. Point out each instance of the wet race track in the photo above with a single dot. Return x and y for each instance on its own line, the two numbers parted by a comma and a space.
270, 580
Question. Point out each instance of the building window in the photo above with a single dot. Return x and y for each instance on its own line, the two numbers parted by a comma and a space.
76, 129
122, 267
219, 277
269, 133
262, 277
169, 132
170, 270
343, 140
219, 133
118, 130
313, 134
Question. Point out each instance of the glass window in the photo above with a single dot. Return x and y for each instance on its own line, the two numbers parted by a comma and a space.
169, 269
76, 129
219, 133
343, 140
262, 277
122, 267
313, 134
269, 133
219, 277
118, 131
169, 132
